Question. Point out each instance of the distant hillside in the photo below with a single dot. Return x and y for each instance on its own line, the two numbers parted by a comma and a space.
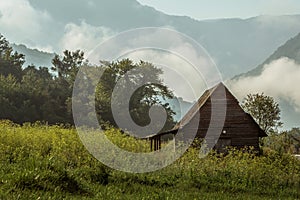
277, 76
236, 45
291, 50
34, 56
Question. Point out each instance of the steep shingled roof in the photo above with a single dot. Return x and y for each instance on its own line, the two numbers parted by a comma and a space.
196, 108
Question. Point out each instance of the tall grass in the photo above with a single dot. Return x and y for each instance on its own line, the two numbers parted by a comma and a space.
50, 162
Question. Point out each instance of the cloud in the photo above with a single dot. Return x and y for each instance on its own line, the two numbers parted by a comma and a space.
188, 70
178, 74
21, 23
83, 36
279, 22
279, 79
279, 7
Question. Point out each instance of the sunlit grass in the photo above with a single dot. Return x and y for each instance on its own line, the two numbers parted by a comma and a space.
50, 162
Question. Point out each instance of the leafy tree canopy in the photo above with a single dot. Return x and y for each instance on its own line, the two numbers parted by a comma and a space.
264, 109
34, 94
146, 96
10, 62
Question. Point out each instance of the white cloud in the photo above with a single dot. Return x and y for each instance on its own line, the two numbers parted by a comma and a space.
287, 22
187, 68
84, 36
21, 23
279, 7
178, 74
279, 79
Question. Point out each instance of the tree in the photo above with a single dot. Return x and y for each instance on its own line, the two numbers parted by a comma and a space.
142, 99
10, 62
264, 110
285, 142
10, 97
30, 94
68, 66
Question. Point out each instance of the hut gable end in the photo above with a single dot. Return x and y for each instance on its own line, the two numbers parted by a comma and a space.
239, 128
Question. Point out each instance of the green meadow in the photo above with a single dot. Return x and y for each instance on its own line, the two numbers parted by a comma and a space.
50, 162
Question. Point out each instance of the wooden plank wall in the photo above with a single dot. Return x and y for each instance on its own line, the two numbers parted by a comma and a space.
238, 125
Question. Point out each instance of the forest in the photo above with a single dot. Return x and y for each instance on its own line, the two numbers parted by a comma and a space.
31, 93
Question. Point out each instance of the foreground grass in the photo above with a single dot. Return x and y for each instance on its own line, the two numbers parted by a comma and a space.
50, 162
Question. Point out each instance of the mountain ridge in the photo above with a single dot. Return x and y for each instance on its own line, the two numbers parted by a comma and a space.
290, 49
236, 45
34, 57
277, 76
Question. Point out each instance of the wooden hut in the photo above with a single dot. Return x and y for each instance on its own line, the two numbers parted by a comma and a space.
238, 128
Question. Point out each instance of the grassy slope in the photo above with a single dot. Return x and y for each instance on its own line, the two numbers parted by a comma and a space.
51, 163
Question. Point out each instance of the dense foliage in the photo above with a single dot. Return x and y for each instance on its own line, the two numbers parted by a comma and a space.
130, 75
285, 142
30, 94
49, 162
265, 110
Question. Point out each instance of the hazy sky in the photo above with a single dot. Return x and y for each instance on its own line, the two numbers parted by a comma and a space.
211, 9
